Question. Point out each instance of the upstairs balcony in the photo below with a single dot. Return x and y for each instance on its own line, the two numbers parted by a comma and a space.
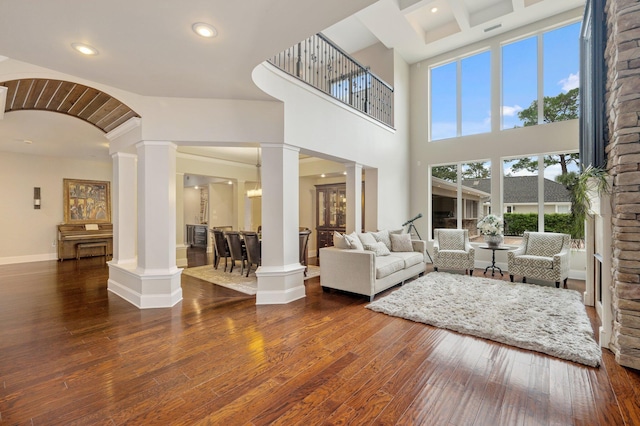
320, 63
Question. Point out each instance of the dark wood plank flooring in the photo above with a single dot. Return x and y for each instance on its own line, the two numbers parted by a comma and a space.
72, 353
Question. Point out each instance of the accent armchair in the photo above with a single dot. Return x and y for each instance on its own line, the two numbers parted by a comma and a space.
452, 250
541, 255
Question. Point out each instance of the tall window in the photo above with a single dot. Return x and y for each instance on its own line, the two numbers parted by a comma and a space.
523, 104
475, 96
444, 101
519, 80
461, 97
527, 193
461, 195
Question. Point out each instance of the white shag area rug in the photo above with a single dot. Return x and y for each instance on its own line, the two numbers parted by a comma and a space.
233, 280
544, 319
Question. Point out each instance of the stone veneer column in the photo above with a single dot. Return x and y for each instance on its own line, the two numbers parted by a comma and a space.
623, 110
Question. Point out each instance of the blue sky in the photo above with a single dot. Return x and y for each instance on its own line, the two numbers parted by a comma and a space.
519, 76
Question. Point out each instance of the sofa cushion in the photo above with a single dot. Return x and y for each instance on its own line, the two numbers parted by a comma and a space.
340, 241
367, 238
387, 265
382, 237
534, 261
409, 258
453, 254
354, 241
378, 248
401, 242
540, 244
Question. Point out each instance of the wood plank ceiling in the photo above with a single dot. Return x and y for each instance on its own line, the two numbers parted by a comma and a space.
86, 103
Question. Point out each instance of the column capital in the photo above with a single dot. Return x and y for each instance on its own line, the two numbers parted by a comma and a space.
121, 154
156, 143
280, 145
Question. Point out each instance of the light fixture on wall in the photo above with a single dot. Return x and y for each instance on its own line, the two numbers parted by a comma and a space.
257, 191
36, 198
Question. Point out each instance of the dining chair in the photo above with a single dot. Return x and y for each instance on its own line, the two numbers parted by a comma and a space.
220, 247
252, 245
304, 252
236, 250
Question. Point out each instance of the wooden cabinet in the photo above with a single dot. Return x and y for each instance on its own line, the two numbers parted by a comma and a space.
197, 236
331, 204
331, 212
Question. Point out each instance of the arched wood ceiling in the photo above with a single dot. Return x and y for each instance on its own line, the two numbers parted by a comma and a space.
86, 103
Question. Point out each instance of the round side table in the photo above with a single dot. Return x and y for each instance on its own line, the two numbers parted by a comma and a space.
493, 266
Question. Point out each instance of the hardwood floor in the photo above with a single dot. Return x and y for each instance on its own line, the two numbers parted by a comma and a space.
72, 353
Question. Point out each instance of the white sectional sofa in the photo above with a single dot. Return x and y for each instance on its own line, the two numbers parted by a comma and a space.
368, 271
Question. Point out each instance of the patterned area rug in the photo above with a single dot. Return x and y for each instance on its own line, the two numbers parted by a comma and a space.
233, 280
548, 320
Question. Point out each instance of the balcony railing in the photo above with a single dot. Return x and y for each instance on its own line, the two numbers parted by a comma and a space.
320, 63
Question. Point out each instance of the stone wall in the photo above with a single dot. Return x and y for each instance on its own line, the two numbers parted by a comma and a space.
623, 111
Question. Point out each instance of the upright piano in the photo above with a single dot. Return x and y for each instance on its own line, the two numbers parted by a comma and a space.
85, 240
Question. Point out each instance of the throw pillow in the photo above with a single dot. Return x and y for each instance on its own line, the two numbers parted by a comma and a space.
380, 249
401, 242
367, 238
354, 241
382, 237
340, 241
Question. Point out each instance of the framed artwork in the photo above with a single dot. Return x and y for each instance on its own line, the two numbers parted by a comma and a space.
86, 201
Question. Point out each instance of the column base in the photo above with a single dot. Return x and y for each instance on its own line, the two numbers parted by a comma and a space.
181, 256
143, 289
279, 285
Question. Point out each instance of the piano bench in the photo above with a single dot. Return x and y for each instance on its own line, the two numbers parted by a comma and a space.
81, 246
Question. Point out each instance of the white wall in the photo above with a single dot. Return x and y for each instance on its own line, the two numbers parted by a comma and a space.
191, 206
349, 137
27, 234
220, 204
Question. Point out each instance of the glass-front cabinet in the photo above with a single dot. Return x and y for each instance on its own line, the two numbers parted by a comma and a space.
331, 214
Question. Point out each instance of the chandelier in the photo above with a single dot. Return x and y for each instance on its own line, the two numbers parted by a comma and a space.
257, 191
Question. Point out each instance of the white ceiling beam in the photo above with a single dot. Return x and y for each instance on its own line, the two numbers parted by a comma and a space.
517, 5
461, 13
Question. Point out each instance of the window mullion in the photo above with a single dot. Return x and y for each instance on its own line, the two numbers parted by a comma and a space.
540, 79
541, 192
459, 97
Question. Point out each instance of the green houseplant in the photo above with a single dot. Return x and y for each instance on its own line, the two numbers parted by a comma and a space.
582, 186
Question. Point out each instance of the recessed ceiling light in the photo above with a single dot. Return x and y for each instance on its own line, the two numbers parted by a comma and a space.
85, 49
323, 175
434, 9
204, 30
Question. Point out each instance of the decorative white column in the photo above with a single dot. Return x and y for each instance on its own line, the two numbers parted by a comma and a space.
124, 212
155, 281
354, 197
280, 278
181, 248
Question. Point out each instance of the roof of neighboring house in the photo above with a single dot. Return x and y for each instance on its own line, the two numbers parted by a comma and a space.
524, 189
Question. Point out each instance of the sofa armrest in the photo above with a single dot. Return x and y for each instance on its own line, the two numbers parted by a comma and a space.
562, 262
420, 246
511, 254
348, 270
